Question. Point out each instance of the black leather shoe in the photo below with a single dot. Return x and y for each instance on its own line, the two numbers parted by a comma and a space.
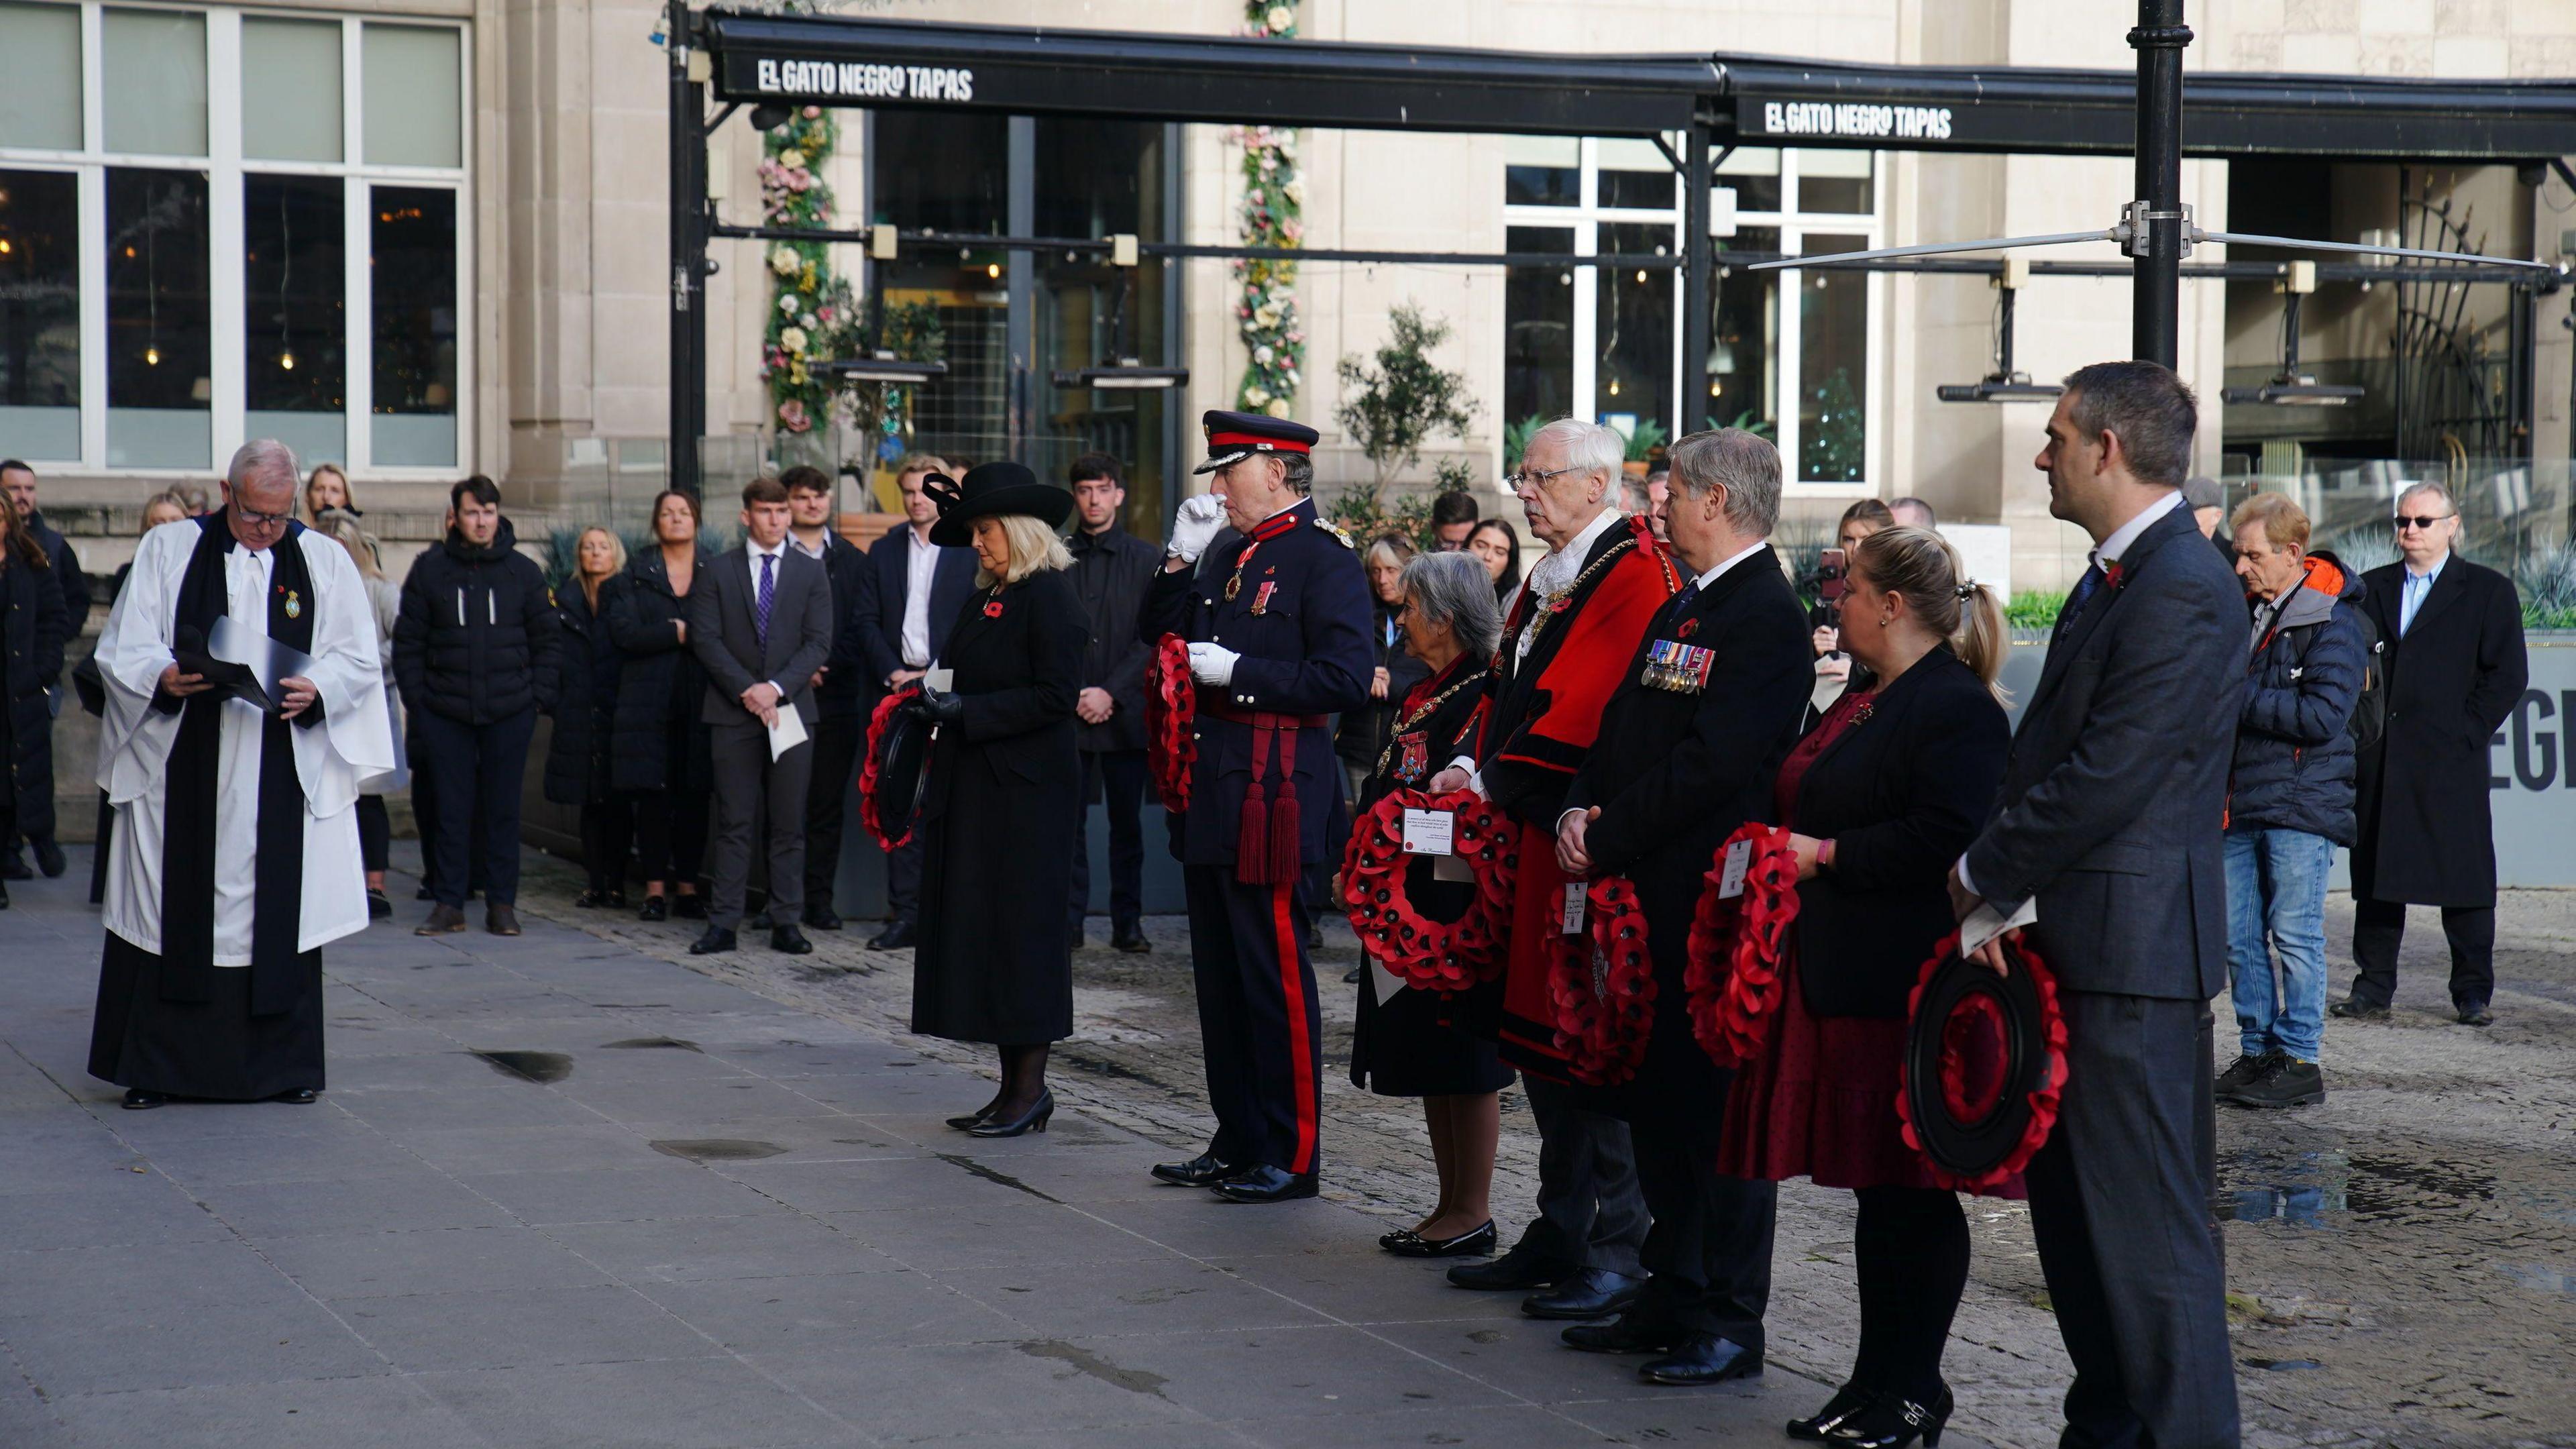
1265, 1183
13, 866
821, 918
1623, 1334
716, 939
1474, 1243
1205, 1170
49, 859
444, 920
137, 1100
1699, 1359
1033, 1120
1892, 1421
1353, 976
1132, 941
655, 908
590, 900
790, 940
300, 1097
2476, 1015
378, 906
501, 919
689, 907
760, 922
1585, 1293
1517, 1271
971, 1118
424, 894
2353, 1008
897, 936
1848, 1400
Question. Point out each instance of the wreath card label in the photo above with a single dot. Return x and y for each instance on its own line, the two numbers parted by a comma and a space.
1430, 832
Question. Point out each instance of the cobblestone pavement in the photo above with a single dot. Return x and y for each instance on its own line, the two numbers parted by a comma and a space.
2401, 1258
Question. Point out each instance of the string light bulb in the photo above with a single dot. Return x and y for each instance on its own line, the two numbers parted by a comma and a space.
286, 360
1614, 387
5, 246
152, 357
993, 270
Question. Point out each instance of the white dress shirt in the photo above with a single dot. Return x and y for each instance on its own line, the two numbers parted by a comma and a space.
920, 566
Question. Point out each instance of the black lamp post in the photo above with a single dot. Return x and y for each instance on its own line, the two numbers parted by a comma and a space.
2158, 229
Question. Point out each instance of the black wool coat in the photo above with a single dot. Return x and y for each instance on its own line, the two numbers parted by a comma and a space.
1673, 775
1111, 571
659, 684
1900, 794
2427, 836
1364, 730
32, 629
998, 816
847, 690
585, 698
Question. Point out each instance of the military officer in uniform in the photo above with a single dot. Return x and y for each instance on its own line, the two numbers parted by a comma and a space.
1277, 622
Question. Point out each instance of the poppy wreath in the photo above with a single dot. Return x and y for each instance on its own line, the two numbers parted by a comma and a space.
1434, 955
1171, 709
1732, 982
1968, 1101
878, 719
1601, 982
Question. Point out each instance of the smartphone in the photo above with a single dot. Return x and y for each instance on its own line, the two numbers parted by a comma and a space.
1829, 585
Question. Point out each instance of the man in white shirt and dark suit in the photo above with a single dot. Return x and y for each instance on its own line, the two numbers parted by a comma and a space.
908, 599
761, 624
2110, 818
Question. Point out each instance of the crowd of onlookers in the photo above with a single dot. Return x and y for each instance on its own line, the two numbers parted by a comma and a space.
2368, 703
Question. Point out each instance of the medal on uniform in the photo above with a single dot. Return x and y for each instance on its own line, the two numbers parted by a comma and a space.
1261, 597
1415, 759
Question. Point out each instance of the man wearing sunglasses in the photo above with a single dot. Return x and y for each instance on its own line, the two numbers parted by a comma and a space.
2451, 635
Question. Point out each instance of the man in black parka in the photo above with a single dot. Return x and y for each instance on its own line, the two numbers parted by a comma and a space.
2451, 637
1111, 570
473, 651
63, 570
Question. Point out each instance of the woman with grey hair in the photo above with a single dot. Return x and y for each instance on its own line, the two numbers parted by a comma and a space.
1402, 1044
1363, 731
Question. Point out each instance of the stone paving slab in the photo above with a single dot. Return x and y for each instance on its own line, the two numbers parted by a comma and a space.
692, 1215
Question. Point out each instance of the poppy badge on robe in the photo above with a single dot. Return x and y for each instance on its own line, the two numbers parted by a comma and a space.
1687, 629
992, 608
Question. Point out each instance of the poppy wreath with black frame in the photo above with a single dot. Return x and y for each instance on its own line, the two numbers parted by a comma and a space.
872, 756
1171, 712
1601, 985
1978, 1114
1732, 982
1376, 890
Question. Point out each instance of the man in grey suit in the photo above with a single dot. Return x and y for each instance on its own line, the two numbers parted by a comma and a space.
2111, 815
761, 625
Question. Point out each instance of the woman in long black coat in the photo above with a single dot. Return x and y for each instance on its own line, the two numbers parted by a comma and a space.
585, 696
1403, 1044
32, 629
660, 756
1004, 793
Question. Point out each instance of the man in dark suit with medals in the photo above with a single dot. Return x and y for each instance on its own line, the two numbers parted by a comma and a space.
1708, 706
2110, 825
1277, 624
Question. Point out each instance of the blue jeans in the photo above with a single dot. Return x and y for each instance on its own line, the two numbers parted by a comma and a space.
2276, 903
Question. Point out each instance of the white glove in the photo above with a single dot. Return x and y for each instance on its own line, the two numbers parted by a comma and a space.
1212, 664
1194, 526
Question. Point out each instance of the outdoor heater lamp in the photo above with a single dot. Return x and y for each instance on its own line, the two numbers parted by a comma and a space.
2291, 387
2003, 384
1128, 375
880, 369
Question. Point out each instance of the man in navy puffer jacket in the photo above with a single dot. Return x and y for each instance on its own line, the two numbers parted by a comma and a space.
2289, 798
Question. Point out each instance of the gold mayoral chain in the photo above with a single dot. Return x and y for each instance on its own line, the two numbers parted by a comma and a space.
1419, 715
1555, 604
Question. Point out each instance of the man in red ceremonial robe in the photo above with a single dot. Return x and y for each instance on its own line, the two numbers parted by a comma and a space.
1567, 638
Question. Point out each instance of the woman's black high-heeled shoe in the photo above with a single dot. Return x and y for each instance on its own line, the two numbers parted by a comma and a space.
655, 908
1033, 1120
968, 1122
1848, 1400
1473, 1243
1892, 1421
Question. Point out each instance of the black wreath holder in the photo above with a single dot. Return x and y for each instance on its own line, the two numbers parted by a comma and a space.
897, 759
1985, 1062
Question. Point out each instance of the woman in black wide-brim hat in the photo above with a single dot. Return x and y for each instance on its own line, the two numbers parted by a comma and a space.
1004, 792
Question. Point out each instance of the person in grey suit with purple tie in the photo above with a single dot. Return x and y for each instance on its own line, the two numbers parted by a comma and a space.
2110, 820
760, 623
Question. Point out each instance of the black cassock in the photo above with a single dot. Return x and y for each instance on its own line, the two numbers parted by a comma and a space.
174, 1023
998, 817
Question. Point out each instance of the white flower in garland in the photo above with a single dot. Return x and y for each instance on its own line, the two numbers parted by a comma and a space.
785, 262
1295, 191
792, 159
1281, 19
792, 338
788, 304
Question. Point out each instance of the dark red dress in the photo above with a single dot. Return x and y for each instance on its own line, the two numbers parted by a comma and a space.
1820, 1103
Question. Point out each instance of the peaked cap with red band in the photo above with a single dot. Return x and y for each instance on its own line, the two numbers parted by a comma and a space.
1233, 437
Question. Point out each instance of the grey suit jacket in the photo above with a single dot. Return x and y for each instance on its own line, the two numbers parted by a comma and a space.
724, 635
2114, 800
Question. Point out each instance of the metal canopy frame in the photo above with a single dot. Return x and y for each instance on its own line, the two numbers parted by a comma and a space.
1705, 102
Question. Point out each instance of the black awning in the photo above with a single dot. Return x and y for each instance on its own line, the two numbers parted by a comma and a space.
856, 61
2225, 113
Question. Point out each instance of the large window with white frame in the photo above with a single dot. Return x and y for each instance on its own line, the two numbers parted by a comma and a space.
1602, 342
218, 225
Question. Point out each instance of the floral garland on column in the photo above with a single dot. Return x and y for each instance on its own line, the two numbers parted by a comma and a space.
1272, 214
808, 302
